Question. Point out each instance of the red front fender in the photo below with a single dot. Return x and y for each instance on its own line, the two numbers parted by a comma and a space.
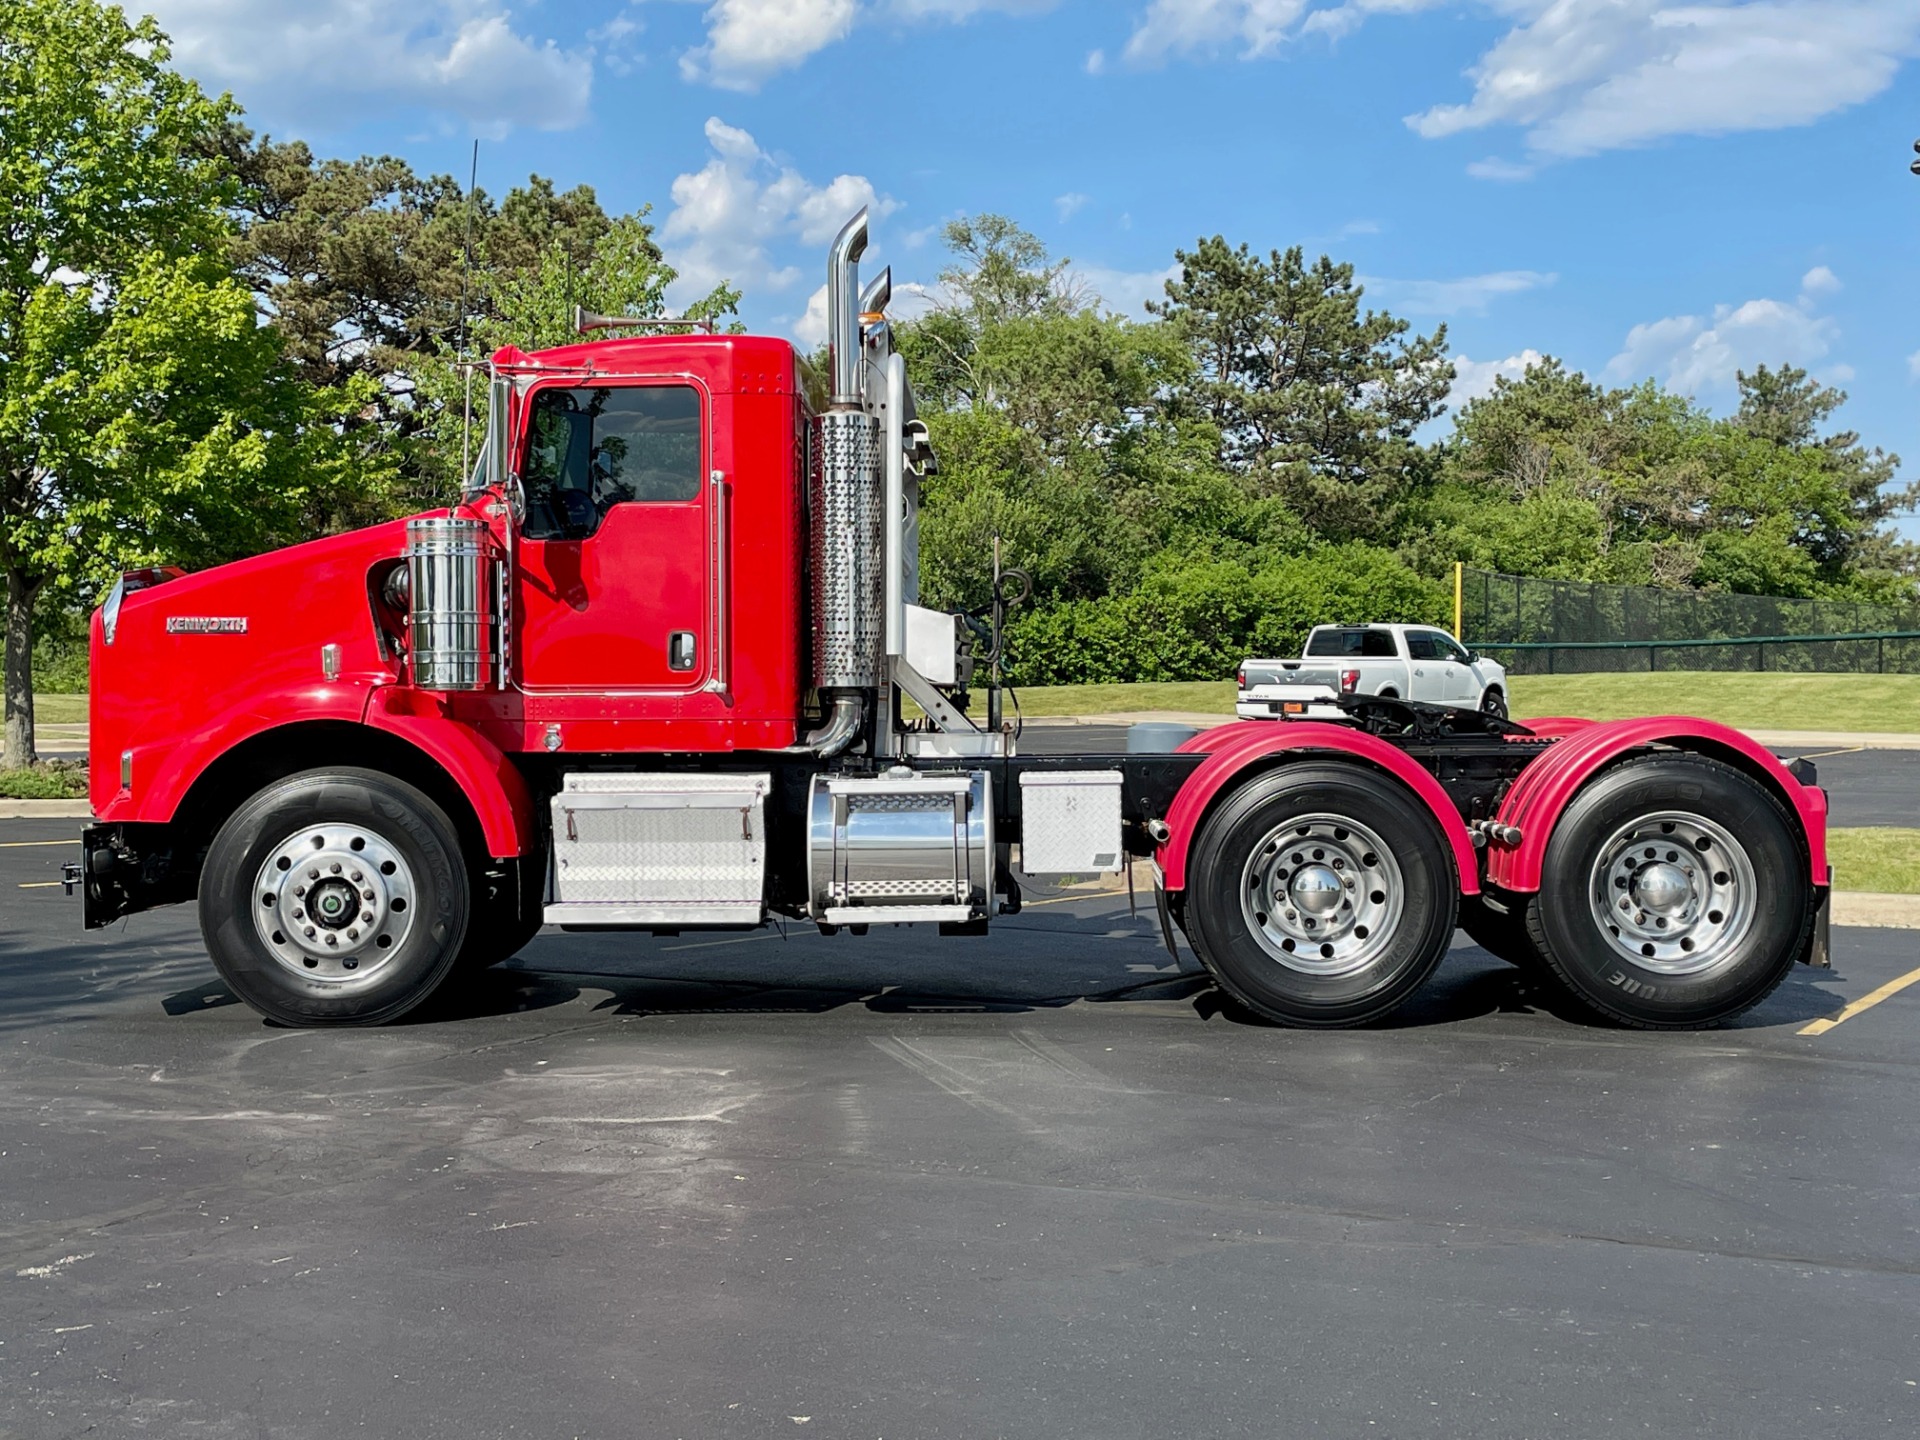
493, 786
1545, 788
1232, 750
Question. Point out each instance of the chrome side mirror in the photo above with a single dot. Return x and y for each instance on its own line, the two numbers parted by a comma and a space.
499, 408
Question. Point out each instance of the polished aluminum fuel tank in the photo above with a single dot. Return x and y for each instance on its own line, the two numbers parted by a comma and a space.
900, 847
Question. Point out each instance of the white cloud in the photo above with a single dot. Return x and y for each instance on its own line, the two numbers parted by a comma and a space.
1126, 292
1070, 205
1700, 355
1474, 378
1582, 78
1913, 365
1816, 282
1468, 295
1174, 27
749, 41
326, 59
729, 216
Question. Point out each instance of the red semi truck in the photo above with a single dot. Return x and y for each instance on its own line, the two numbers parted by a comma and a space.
651, 674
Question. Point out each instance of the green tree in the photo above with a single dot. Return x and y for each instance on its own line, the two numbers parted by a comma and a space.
530, 303
1313, 399
104, 176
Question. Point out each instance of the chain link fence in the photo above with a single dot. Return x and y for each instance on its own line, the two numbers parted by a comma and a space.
1544, 627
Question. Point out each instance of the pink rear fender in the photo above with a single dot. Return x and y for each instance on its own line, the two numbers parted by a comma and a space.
493, 786
1545, 788
1234, 751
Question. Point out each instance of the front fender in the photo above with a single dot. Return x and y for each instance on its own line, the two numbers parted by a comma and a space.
1233, 750
164, 769
1545, 788
491, 782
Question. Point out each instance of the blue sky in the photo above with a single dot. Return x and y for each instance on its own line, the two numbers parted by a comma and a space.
1641, 187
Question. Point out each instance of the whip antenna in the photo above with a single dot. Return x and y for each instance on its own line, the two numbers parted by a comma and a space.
466, 365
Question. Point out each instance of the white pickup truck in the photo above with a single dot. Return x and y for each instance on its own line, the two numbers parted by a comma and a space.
1404, 662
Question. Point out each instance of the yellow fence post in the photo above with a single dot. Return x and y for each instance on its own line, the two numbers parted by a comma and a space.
1459, 570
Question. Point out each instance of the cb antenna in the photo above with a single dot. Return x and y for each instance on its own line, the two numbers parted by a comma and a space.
466, 365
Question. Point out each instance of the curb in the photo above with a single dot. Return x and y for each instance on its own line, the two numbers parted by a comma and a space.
1867, 910
45, 810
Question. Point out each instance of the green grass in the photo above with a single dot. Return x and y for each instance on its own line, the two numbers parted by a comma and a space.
49, 780
1752, 702
60, 709
1205, 697
1759, 702
1880, 859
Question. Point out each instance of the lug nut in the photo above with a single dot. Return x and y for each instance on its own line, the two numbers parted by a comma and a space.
333, 939
334, 869
313, 874
367, 919
299, 914
355, 877
309, 932
299, 890
353, 934
367, 895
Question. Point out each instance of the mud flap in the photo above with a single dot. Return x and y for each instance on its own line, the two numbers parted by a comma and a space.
1820, 944
1166, 913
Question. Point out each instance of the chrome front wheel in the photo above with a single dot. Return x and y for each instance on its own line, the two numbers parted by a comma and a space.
336, 902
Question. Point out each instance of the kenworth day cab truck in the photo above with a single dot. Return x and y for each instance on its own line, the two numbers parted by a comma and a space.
651, 673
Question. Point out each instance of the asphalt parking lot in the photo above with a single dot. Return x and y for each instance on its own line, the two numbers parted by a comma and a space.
1037, 1185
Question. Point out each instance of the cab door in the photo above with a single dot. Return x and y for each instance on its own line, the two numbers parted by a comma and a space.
614, 573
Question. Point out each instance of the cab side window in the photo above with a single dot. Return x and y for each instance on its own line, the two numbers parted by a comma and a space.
1421, 646
590, 448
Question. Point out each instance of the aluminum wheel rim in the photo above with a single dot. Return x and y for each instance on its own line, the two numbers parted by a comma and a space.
1673, 892
334, 903
1322, 895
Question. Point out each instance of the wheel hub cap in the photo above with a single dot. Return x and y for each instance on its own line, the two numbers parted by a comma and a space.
333, 903
1322, 895
1662, 887
1316, 889
1673, 892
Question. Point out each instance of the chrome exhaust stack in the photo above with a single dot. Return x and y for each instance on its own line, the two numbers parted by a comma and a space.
844, 500
843, 309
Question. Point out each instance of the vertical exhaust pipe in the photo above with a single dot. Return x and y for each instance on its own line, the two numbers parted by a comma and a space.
843, 308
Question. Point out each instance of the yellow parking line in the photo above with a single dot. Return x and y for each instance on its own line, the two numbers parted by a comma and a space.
42, 884
1865, 1002
29, 844
1824, 754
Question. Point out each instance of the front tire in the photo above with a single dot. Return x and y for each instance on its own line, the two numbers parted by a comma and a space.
335, 897
1321, 895
1494, 703
1675, 894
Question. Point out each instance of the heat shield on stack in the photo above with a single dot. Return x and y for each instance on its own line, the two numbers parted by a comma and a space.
846, 559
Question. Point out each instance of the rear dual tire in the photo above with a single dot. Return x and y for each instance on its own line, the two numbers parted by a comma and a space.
1676, 893
1321, 895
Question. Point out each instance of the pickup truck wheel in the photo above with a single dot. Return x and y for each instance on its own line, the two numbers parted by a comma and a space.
1494, 703
334, 898
1675, 894
1321, 895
